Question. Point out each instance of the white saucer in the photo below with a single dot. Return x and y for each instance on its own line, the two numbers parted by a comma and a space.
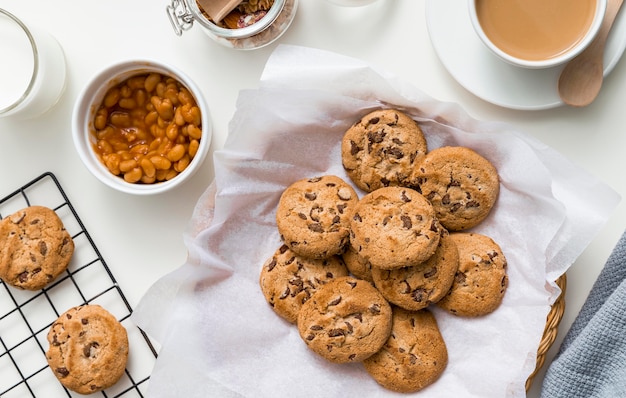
471, 63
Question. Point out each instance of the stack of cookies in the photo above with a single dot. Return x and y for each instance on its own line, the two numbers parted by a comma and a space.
357, 275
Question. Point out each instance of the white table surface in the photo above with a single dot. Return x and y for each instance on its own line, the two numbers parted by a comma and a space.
141, 237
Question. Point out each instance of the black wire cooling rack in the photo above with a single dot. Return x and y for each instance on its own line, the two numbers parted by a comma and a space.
26, 316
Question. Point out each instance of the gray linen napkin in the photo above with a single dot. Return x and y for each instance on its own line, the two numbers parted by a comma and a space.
591, 361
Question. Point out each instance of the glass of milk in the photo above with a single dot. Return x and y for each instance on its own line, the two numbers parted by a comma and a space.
32, 70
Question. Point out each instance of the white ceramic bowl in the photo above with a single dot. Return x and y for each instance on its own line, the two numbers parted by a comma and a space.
538, 64
90, 99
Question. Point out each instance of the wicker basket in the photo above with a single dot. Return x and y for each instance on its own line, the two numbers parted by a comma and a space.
551, 330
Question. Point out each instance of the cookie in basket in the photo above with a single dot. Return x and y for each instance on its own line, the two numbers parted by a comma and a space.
288, 280
394, 227
347, 320
357, 265
313, 216
415, 355
481, 280
88, 349
35, 248
461, 184
418, 286
382, 149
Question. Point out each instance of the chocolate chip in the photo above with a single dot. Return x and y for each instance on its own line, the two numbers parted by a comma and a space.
446, 199
455, 207
316, 327
336, 333
373, 120
23, 277
316, 227
314, 179
395, 152
310, 195
271, 265
472, 203
354, 148
63, 372
460, 278
283, 249
84, 321
89, 350
404, 197
43, 248
376, 137
406, 222
375, 308
341, 207
335, 302
302, 216
418, 295
357, 217
430, 273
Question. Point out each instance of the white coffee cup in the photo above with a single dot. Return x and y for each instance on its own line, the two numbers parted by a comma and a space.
536, 33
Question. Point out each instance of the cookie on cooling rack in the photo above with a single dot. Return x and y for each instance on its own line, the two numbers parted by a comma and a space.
88, 349
415, 355
35, 248
347, 320
461, 185
481, 280
381, 149
313, 216
288, 280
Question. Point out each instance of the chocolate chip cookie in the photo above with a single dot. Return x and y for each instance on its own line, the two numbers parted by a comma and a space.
289, 280
394, 227
417, 286
88, 349
35, 248
382, 149
347, 320
481, 280
358, 266
461, 185
313, 216
415, 355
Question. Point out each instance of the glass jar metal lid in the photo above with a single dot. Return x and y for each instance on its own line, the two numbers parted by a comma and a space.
183, 14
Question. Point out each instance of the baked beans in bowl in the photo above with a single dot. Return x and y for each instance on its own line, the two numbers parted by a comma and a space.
141, 127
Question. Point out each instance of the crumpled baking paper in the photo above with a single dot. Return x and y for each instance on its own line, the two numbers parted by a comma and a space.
220, 338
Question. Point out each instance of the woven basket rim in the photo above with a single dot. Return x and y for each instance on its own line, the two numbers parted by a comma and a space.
551, 329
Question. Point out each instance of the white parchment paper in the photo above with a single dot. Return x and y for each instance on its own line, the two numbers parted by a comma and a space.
220, 338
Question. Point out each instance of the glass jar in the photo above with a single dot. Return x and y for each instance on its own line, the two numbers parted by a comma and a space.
271, 26
32, 70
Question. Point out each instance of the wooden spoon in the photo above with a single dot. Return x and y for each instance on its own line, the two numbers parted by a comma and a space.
218, 9
581, 79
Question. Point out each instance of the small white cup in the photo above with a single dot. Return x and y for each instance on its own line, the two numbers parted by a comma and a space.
32, 70
91, 98
539, 63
